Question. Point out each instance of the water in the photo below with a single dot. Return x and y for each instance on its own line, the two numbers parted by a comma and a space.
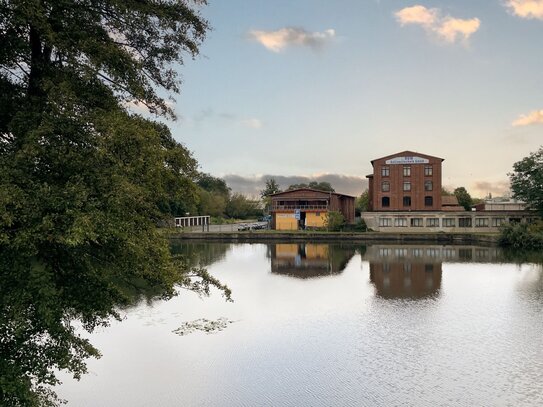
332, 325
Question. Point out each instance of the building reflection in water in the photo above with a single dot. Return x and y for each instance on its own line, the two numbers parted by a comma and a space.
309, 260
408, 272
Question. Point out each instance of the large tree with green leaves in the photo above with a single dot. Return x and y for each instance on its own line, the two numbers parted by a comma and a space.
83, 180
464, 198
527, 180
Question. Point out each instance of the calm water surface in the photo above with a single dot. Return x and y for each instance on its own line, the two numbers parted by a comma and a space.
332, 325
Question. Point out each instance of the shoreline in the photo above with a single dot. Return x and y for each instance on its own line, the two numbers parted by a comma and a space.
450, 238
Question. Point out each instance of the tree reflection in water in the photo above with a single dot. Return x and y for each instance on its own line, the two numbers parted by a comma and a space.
41, 310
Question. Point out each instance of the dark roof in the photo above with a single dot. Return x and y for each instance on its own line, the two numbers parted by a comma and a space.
312, 190
449, 200
407, 153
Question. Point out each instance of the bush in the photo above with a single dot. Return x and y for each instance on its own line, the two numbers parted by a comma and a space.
522, 236
334, 221
359, 226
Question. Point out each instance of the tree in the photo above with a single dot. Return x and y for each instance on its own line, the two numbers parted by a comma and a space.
464, 198
239, 207
213, 184
527, 180
334, 221
321, 186
363, 202
272, 187
83, 180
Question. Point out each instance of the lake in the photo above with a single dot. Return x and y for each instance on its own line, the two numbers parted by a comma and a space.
331, 325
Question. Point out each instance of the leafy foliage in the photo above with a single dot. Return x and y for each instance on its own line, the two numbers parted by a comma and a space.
83, 180
240, 207
334, 221
362, 202
464, 198
522, 236
321, 186
527, 180
272, 187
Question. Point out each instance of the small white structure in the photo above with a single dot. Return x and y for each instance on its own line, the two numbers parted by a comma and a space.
190, 221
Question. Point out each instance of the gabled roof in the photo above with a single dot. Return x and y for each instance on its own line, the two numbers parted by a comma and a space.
311, 190
409, 154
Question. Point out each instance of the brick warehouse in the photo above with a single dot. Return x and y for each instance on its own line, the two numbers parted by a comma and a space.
405, 196
406, 181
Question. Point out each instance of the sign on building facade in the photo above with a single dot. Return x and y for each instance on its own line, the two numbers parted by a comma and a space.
407, 160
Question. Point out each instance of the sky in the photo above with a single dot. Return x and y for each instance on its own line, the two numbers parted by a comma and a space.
316, 89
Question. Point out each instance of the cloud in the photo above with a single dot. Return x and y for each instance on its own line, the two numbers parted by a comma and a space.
251, 123
278, 40
209, 116
417, 15
252, 185
448, 29
526, 8
496, 188
535, 117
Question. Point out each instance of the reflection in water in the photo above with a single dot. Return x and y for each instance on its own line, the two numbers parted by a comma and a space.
308, 260
38, 336
199, 254
405, 271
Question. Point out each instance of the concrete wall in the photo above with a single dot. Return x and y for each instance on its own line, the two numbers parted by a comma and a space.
401, 222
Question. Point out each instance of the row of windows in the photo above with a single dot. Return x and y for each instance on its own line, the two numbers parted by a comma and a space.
428, 171
446, 252
385, 201
428, 186
446, 222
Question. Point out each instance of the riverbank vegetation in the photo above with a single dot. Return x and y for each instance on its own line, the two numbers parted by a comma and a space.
527, 185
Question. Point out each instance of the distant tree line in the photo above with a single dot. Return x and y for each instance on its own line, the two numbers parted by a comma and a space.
216, 199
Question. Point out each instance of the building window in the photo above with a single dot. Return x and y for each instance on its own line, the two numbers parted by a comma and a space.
386, 251
407, 267
428, 185
432, 222
449, 222
406, 201
385, 186
407, 186
418, 252
497, 222
428, 170
385, 222
416, 222
428, 201
464, 222
385, 202
385, 171
400, 222
428, 268
406, 170
481, 222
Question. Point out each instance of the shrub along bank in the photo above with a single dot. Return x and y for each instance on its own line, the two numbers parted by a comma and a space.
522, 236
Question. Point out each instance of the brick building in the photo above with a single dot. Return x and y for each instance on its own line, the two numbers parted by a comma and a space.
405, 181
405, 196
